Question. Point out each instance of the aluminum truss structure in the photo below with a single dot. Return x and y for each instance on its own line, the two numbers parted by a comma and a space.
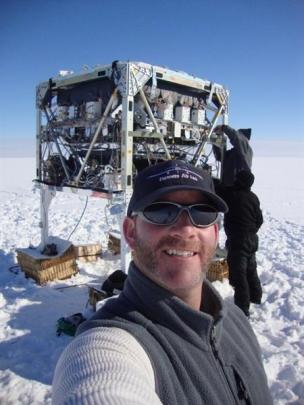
97, 129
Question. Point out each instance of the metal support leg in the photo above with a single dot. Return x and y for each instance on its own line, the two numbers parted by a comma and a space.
126, 171
46, 196
125, 253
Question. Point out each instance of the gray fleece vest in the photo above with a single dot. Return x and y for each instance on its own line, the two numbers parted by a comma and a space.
199, 357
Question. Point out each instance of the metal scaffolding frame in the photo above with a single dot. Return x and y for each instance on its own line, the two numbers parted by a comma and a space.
97, 129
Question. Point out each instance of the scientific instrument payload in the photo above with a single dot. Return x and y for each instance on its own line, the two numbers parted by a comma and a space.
97, 129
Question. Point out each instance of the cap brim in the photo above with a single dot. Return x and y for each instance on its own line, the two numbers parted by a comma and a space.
217, 202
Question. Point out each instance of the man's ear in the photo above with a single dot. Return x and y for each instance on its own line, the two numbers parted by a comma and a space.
128, 227
216, 231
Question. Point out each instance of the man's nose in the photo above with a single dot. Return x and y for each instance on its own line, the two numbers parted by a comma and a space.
183, 222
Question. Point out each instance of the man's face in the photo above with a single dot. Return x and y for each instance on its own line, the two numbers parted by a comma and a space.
175, 256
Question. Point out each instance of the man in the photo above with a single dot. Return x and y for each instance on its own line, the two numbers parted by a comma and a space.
241, 225
239, 157
168, 338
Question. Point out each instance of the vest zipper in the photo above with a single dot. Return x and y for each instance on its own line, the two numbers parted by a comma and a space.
217, 357
213, 342
242, 390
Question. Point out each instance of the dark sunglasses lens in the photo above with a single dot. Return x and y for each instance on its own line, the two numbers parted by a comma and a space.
203, 215
161, 213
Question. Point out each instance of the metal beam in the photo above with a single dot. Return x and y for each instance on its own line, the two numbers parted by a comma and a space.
105, 114
149, 111
126, 172
200, 150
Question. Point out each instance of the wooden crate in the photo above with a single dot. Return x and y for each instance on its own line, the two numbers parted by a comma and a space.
95, 295
114, 244
88, 253
218, 270
87, 259
27, 258
47, 269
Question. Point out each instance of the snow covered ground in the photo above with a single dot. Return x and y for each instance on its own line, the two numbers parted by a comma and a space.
29, 347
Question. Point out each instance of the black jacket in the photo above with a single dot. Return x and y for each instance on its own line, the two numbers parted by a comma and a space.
244, 215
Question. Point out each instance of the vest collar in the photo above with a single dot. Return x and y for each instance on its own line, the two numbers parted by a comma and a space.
169, 311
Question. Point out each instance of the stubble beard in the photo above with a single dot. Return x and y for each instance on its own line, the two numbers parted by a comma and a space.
146, 259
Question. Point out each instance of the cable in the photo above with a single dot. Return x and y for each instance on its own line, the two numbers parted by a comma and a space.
11, 268
70, 286
86, 203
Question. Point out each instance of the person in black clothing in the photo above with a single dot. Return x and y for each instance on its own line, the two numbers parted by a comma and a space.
241, 224
239, 157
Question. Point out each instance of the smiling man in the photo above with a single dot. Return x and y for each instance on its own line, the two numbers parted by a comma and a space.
168, 338
174, 257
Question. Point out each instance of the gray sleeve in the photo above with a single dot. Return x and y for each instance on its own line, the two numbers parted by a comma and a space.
237, 139
104, 366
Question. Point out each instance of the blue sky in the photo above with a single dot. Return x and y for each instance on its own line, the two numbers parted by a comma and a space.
253, 47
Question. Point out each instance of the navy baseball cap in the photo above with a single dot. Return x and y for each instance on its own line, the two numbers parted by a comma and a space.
172, 175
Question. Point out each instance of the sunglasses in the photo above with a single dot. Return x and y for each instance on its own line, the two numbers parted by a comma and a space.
166, 213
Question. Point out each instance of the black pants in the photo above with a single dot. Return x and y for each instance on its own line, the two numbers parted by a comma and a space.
243, 274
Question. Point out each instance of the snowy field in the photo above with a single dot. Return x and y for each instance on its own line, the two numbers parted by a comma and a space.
29, 347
